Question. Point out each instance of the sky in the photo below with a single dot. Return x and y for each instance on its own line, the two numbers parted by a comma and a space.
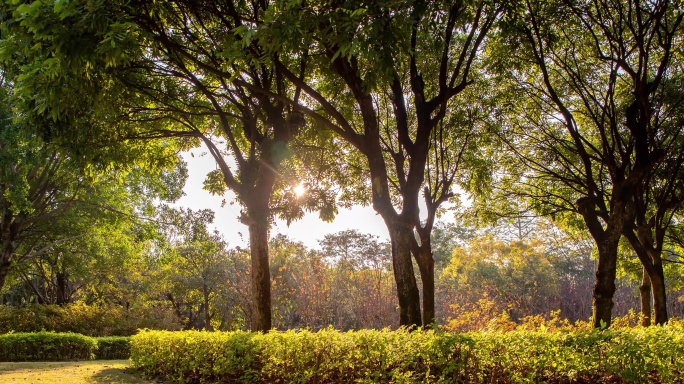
309, 230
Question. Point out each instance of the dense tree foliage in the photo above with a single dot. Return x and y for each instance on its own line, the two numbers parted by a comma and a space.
176, 73
596, 131
62, 218
564, 109
388, 76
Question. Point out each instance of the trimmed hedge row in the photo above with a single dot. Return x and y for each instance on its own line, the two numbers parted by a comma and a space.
328, 356
50, 346
46, 346
113, 348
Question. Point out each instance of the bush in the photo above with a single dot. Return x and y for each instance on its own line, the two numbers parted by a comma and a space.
327, 356
196, 355
46, 346
113, 347
90, 320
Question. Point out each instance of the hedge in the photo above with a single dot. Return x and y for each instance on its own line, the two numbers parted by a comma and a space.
328, 356
46, 346
50, 346
113, 348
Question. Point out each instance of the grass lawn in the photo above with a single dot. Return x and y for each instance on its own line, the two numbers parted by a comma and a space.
72, 372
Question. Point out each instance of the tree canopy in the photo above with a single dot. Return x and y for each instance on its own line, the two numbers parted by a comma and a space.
566, 109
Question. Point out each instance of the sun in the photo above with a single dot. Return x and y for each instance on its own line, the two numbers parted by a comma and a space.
299, 190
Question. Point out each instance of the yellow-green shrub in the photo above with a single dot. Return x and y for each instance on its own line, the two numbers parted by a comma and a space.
195, 355
91, 320
330, 356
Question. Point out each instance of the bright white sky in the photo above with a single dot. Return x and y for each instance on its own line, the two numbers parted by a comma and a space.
308, 230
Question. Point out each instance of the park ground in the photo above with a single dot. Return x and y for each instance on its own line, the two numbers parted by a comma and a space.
72, 372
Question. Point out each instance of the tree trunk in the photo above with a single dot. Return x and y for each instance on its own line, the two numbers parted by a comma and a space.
61, 282
9, 227
652, 263
426, 264
607, 240
657, 278
207, 314
604, 289
645, 292
257, 201
407, 288
261, 275
5, 262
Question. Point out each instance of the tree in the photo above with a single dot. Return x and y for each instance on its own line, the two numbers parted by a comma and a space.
347, 284
194, 265
300, 285
392, 104
353, 250
40, 187
44, 187
359, 266
179, 74
93, 229
548, 271
590, 128
658, 199
447, 236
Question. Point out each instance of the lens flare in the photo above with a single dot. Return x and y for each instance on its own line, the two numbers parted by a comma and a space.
299, 190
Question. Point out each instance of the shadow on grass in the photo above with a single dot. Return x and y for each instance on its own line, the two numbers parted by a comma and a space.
118, 376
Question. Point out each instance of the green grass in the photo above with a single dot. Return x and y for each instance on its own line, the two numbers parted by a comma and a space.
72, 372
